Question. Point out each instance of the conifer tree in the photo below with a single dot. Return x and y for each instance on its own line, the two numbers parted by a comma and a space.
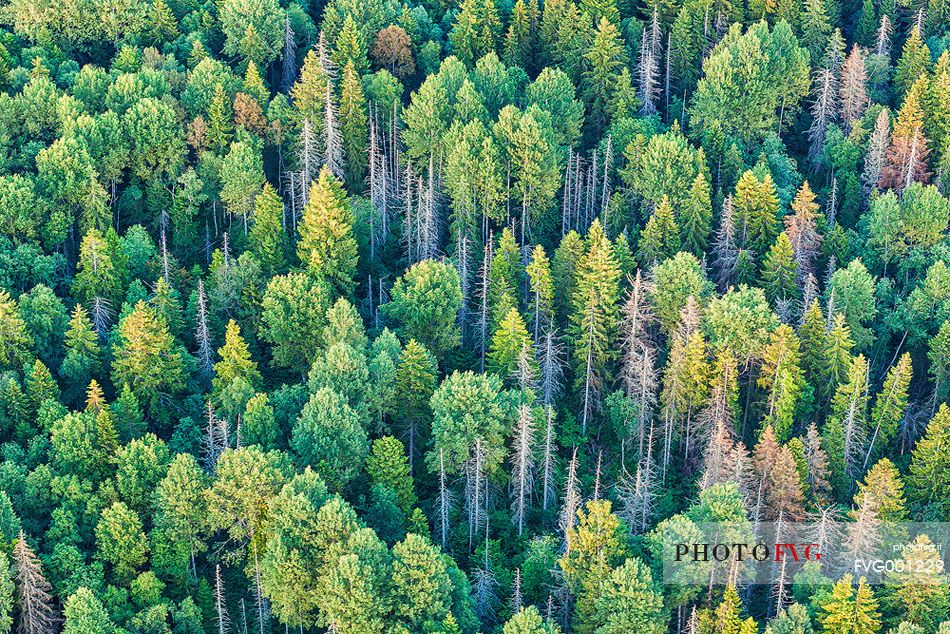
783, 378
890, 405
522, 467
695, 217
929, 470
846, 434
878, 144
267, 236
235, 361
594, 318
817, 477
850, 609
853, 91
327, 246
800, 227
780, 271
521, 40
756, 211
354, 129
220, 127
7, 590
509, 340
913, 64
82, 361
475, 31
415, 381
605, 58
34, 593
541, 291
905, 161
660, 238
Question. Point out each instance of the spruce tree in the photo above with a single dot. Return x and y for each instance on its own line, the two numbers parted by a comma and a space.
913, 64
267, 236
929, 474
850, 609
780, 271
594, 318
327, 246
660, 238
354, 129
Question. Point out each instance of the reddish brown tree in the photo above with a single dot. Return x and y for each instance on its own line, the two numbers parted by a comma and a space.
392, 50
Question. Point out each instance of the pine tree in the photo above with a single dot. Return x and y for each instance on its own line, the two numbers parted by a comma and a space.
509, 340
388, 465
522, 467
877, 147
800, 226
824, 112
838, 346
816, 459
845, 434
236, 363
7, 591
939, 356
309, 92
727, 617
415, 381
935, 104
253, 85
783, 378
82, 361
354, 127
327, 246
34, 593
637, 370
475, 31
815, 27
605, 58
162, 25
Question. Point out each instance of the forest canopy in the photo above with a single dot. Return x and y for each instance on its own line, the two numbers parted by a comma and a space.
418, 316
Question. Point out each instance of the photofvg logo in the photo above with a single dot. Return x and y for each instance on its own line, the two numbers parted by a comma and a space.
773, 553
760, 552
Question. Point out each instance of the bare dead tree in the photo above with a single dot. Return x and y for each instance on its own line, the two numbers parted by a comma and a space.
34, 593
288, 68
572, 499
522, 467
547, 469
220, 604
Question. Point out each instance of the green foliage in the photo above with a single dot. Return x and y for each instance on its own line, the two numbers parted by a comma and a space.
424, 305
